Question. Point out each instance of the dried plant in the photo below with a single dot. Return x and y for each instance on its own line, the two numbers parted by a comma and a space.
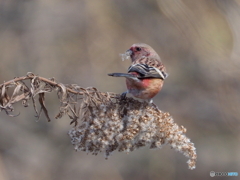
103, 122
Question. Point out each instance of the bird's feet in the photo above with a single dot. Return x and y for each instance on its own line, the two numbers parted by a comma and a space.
150, 101
153, 105
123, 95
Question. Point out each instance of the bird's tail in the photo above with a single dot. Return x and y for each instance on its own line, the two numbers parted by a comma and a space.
122, 75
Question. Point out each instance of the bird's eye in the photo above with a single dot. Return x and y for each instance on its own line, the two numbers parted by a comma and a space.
138, 49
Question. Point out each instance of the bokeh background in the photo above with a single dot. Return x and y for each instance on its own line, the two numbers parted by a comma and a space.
79, 42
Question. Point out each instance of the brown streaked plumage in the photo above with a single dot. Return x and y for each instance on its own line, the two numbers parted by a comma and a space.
145, 54
146, 74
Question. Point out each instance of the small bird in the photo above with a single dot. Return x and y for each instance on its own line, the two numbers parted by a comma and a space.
146, 74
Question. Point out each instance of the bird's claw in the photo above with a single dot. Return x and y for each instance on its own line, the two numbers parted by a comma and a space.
123, 95
150, 101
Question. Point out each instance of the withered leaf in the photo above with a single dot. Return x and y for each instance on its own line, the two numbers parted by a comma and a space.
43, 107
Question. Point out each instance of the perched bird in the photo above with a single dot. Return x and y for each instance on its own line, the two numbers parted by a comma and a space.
146, 74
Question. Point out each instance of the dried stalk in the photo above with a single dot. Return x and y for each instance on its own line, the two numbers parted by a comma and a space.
103, 122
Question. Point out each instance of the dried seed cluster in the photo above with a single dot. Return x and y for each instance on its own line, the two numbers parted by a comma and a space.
103, 121
126, 125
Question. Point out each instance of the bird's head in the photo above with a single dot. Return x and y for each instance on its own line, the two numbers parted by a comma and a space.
139, 50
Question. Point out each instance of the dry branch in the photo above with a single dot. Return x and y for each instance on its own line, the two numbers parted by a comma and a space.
103, 121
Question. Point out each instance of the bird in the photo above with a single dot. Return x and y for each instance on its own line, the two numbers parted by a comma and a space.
146, 75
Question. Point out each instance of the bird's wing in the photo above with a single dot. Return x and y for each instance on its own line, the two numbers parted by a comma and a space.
151, 62
146, 71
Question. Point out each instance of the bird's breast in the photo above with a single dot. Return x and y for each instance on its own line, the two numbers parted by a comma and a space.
144, 88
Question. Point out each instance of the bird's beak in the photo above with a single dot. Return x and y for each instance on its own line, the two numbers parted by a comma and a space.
129, 52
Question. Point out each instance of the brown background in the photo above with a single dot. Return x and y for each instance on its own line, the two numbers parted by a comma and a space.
79, 41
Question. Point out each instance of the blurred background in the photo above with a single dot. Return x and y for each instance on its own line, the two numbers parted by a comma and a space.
79, 42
